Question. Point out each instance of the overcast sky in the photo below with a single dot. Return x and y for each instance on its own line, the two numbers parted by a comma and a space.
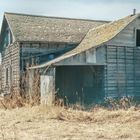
89, 9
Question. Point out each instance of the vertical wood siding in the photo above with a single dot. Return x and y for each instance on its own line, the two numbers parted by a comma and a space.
122, 76
137, 71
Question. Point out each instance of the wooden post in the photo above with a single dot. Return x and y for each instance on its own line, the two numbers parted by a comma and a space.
47, 84
31, 83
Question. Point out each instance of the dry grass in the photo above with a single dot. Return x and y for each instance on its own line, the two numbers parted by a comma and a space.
59, 123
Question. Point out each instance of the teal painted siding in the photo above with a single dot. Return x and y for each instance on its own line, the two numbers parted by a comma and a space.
122, 76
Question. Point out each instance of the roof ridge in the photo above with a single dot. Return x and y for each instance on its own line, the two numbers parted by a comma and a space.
112, 22
67, 18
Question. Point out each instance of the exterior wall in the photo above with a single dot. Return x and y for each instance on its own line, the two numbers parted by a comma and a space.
122, 76
137, 71
10, 69
127, 37
120, 71
91, 57
0, 77
38, 53
101, 55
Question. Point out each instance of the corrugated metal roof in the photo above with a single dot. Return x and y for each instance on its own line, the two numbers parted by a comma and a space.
95, 37
49, 29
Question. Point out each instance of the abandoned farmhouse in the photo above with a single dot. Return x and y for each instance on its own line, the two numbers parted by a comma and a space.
76, 60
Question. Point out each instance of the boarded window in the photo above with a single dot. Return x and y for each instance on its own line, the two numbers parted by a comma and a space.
6, 76
11, 74
137, 37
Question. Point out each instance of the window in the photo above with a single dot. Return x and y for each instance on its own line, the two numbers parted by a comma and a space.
51, 56
8, 38
138, 37
11, 74
6, 76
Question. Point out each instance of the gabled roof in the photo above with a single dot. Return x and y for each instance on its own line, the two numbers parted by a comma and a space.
49, 29
95, 37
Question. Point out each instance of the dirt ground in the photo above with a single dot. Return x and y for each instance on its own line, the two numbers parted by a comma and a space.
57, 123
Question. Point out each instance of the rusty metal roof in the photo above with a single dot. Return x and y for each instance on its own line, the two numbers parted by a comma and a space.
95, 37
49, 29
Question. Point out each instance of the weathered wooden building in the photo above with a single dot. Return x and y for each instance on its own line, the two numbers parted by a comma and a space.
78, 60
106, 63
26, 40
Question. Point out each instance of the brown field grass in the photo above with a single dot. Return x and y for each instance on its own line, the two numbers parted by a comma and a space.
59, 123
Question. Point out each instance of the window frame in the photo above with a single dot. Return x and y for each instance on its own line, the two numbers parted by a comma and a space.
6, 75
7, 38
11, 74
136, 37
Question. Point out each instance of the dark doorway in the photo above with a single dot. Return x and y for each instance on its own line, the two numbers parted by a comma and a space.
80, 84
